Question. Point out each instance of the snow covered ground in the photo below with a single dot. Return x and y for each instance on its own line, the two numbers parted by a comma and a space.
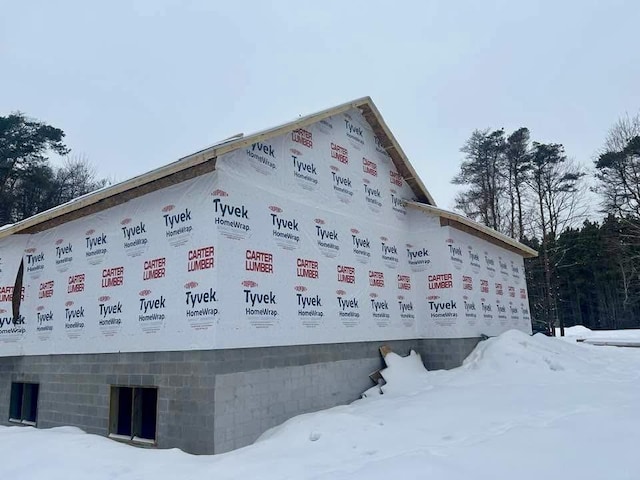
520, 408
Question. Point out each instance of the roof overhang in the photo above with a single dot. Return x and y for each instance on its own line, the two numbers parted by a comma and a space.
467, 225
209, 154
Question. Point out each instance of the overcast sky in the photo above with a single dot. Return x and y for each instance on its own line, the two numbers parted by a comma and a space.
138, 84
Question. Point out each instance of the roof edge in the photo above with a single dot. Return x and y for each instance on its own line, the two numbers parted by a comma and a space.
211, 153
527, 252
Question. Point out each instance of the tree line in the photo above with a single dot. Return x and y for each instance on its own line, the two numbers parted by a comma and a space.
587, 271
29, 182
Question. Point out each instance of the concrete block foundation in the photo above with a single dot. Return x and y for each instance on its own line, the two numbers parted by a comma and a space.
212, 401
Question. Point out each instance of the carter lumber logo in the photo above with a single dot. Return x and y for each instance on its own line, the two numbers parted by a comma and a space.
440, 281
75, 283
231, 219
200, 259
467, 283
112, 277
306, 268
46, 289
262, 157
499, 289
369, 167
395, 178
512, 292
135, 239
155, 268
303, 137
376, 279
339, 153
284, 229
404, 282
96, 247
257, 261
260, 305
64, 255
304, 171
6, 294
178, 225
346, 274
201, 305
484, 286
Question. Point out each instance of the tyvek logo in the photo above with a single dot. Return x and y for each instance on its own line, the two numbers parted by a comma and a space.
261, 306
310, 308
327, 239
354, 132
342, 185
74, 318
389, 253
348, 308
178, 225
474, 259
489, 264
417, 257
455, 253
151, 311
379, 310
35, 262
96, 246
304, 171
372, 196
406, 311
285, 229
110, 315
231, 219
44, 323
398, 205
361, 246
262, 157
63, 255
135, 239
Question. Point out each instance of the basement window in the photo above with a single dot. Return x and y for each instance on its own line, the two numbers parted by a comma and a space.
132, 415
23, 406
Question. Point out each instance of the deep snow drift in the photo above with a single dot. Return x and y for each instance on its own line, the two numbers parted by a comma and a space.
519, 408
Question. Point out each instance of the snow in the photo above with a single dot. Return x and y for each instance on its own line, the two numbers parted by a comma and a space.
520, 407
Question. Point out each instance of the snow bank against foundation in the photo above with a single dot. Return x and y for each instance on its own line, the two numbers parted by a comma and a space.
520, 407
515, 357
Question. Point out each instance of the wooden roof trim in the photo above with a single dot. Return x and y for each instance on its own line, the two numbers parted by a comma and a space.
210, 153
474, 228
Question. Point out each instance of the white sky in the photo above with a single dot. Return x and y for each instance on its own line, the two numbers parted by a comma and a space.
138, 84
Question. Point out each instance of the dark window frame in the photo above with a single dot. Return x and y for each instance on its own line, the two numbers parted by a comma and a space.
133, 414
23, 404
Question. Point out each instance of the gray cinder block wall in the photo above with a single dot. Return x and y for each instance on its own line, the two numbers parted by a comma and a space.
212, 401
